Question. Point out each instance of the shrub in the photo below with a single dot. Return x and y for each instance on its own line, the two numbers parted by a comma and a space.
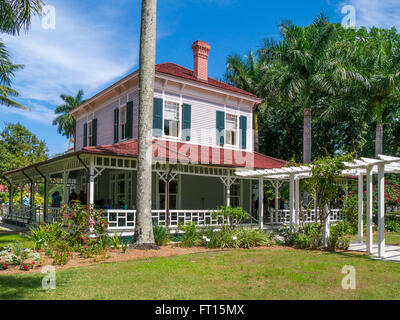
161, 235
248, 238
3, 266
289, 235
26, 266
190, 236
230, 216
116, 240
392, 226
61, 258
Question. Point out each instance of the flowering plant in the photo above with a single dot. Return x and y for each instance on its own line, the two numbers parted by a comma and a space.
26, 266
3, 266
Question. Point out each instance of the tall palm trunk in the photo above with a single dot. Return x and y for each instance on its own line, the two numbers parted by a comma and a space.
379, 140
307, 136
379, 129
144, 238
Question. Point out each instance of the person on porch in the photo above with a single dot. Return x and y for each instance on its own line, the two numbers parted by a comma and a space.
25, 200
72, 197
56, 200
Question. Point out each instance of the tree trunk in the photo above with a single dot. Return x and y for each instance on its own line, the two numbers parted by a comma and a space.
144, 238
379, 140
307, 136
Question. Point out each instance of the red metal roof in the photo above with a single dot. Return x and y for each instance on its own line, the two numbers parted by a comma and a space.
191, 153
181, 72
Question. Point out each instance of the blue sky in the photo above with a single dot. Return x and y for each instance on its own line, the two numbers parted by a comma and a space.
96, 43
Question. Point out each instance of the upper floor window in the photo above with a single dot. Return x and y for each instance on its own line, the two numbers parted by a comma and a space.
231, 129
123, 123
172, 119
90, 132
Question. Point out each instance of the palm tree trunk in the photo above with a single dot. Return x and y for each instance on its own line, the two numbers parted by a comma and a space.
307, 136
379, 140
144, 238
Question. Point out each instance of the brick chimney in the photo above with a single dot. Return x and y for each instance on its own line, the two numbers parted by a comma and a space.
200, 59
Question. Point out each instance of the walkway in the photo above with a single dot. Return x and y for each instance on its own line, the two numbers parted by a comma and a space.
392, 252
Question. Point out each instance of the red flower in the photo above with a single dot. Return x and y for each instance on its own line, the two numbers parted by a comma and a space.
26, 267
33, 262
5, 266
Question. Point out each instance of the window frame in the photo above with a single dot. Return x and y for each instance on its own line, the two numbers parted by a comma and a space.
89, 133
237, 131
121, 125
180, 106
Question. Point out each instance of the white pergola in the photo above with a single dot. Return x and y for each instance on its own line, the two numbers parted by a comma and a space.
360, 168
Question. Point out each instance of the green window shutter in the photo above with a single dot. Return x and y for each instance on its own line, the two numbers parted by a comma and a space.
157, 117
94, 133
85, 135
129, 119
116, 125
220, 128
243, 132
186, 121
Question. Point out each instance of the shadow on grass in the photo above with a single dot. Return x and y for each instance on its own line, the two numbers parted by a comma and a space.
17, 288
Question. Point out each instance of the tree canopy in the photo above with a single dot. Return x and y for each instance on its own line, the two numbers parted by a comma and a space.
19, 148
347, 77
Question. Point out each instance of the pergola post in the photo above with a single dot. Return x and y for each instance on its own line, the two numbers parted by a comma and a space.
360, 208
291, 199
369, 209
261, 202
297, 203
381, 210
91, 182
277, 185
46, 199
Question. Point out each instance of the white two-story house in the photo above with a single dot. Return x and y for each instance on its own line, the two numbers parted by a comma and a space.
203, 131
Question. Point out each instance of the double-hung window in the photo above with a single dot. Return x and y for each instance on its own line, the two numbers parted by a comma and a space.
171, 119
90, 133
231, 129
123, 123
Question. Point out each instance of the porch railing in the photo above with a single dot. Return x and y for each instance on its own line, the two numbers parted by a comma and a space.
283, 216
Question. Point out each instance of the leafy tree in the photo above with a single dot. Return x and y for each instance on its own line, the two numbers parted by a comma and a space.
325, 172
19, 148
65, 121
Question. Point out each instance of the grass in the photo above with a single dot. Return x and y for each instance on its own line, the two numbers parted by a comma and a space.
7, 239
257, 274
391, 238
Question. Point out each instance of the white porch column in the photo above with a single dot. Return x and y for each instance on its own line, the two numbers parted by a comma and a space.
325, 227
381, 210
369, 210
360, 208
228, 191
297, 203
65, 183
291, 199
91, 182
277, 184
261, 202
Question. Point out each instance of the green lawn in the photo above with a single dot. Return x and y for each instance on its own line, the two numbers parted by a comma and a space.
6, 240
391, 238
238, 274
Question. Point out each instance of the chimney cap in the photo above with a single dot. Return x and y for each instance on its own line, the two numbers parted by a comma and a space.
200, 43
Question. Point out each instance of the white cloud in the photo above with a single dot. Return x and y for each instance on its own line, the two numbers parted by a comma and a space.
83, 52
38, 113
378, 13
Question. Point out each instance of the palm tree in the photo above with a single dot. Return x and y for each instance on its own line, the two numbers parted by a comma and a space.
16, 15
144, 238
381, 63
299, 68
65, 121
7, 70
